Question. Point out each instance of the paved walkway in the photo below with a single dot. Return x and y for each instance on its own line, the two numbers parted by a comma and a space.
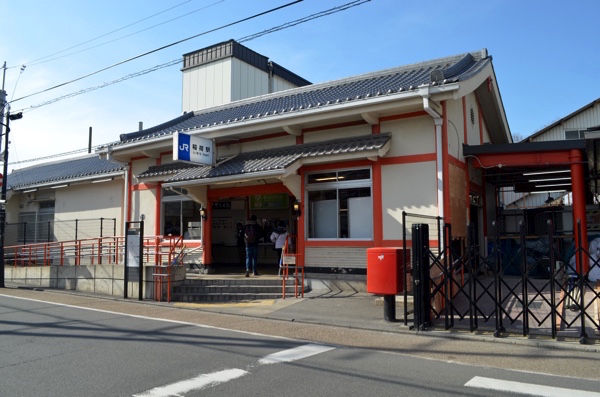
347, 307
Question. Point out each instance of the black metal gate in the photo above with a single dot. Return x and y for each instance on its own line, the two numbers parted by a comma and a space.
501, 291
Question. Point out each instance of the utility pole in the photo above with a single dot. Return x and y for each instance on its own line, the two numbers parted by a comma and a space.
3, 204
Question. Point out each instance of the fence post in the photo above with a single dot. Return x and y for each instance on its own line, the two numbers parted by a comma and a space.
581, 275
448, 277
497, 285
552, 272
422, 303
472, 273
524, 298
405, 270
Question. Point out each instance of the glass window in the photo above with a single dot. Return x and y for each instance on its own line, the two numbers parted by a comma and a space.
340, 204
181, 216
574, 134
37, 227
26, 227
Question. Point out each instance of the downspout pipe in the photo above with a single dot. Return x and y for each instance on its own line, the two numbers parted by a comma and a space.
435, 110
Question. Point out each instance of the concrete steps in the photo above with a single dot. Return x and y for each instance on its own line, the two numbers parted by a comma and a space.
230, 290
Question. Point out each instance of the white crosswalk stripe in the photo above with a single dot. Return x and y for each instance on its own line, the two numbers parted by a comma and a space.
204, 381
526, 388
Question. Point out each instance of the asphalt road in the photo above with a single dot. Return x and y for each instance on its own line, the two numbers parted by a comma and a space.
63, 345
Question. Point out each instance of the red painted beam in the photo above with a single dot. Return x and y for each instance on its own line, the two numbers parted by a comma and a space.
522, 159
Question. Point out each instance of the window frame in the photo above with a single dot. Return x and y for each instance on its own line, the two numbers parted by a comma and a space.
337, 186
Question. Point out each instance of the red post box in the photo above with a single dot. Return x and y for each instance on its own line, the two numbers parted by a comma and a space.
385, 270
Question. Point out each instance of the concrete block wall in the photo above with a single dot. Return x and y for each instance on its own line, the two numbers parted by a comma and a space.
99, 279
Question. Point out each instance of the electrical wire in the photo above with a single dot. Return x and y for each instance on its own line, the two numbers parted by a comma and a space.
41, 60
160, 49
123, 37
175, 62
179, 60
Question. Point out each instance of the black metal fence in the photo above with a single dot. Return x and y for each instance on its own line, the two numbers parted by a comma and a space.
52, 230
520, 285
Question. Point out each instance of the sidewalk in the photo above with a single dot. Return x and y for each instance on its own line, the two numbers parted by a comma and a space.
345, 308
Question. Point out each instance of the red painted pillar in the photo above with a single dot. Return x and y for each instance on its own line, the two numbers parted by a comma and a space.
207, 235
578, 178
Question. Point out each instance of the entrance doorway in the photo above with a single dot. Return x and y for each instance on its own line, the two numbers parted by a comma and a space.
228, 213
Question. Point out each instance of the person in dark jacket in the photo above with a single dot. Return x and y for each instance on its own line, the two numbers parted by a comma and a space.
241, 246
252, 235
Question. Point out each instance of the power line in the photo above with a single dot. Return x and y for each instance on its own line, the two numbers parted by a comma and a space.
177, 61
37, 61
303, 20
161, 48
123, 37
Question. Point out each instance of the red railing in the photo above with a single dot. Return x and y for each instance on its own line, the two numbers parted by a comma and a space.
164, 271
93, 251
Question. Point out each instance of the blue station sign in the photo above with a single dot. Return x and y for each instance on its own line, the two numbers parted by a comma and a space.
193, 149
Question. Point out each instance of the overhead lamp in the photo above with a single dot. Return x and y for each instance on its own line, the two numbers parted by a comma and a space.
549, 199
296, 208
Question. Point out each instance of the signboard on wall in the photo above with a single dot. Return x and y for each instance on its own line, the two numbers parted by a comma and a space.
193, 149
269, 201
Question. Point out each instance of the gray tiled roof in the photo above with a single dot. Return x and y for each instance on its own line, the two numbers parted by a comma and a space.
273, 159
61, 171
363, 87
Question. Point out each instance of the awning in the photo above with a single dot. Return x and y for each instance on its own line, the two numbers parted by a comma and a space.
277, 162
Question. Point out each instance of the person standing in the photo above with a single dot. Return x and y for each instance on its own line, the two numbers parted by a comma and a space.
241, 246
252, 235
278, 238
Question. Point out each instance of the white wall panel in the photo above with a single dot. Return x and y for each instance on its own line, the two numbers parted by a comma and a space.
407, 187
473, 137
89, 201
411, 136
456, 134
352, 257
588, 118
280, 84
336, 133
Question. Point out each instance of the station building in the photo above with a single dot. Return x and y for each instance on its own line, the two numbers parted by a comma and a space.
338, 162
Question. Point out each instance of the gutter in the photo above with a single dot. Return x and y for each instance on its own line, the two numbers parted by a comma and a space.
434, 109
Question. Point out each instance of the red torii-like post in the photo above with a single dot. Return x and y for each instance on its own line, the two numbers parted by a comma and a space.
547, 158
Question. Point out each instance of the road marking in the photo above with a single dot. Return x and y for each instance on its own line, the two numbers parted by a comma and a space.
294, 354
198, 383
526, 388
147, 317
213, 379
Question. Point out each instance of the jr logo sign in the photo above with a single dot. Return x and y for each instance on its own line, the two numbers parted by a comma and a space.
193, 149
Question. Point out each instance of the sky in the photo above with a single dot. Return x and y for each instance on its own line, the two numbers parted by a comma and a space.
545, 54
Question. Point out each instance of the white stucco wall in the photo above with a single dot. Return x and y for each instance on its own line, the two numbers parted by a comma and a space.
139, 166
88, 201
415, 135
143, 202
473, 137
407, 187
456, 135
336, 133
